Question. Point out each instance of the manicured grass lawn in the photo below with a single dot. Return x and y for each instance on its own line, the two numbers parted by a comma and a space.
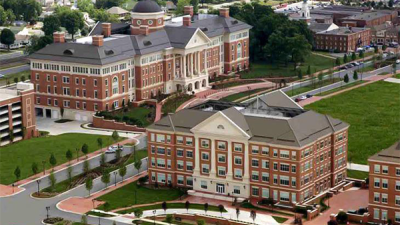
316, 62
24, 153
279, 219
139, 113
236, 96
397, 76
11, 77
173, 103
172, 206
125, 196
341, 88
141, 116
357, 174
317, 84
373, 112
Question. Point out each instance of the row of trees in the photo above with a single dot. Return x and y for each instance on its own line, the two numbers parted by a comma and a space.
27, 10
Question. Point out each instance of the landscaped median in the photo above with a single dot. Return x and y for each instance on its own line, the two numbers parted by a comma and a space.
176, 205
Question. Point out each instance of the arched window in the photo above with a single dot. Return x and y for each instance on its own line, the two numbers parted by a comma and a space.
115, 85
239, 50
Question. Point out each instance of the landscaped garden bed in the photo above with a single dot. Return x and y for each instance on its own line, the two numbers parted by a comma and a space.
141, 116
172, 103
178, 205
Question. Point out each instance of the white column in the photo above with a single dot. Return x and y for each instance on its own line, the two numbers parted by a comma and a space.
205, 61
184, 66
191, 64
173, 67
196, 171
198, 62
229, 172
246, 159
213, 157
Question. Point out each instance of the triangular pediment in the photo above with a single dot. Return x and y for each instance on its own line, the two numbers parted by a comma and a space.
199, 38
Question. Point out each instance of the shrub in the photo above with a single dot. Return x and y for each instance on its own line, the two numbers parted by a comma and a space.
53, 220
342, 217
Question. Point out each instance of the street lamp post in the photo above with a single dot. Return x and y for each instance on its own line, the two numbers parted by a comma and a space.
93, 203
99, 220
154, 213
115, 178
13, 185
47, 209
38, 189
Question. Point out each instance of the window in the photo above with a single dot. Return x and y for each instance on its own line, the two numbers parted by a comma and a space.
265, 151
153, 162
180, 179
238, 147
179, 139
397, 171
205, 156
385, 169
66, 103
169, 164
203, 184
66, 80
293, 168
205, 168
293, 181
284, 167
255, 176
221, 145
205, 143
239, 50
236, 190
384, 183
397, 185
179, 152
284, 196
254, 149
397, 200
189, 166
254, 162
265, 164
384, 198
189, 154
284, 180
238, 160
294, 155
377, 168
221, 158
265, 177
376, 197
377, 182
275, 152
221, 171
160, 138
275, 179
397, 217
160, 151
161, 163
238, 173
275, 166
376, 214
284, 154
115, 85
189, 141
179, 164
254, 191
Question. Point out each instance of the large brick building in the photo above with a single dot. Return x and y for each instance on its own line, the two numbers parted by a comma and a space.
17, 118
268, 148
124, 62
384, 185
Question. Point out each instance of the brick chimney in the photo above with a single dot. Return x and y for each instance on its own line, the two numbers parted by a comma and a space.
144, 30
106, 29
187, 21
224, 12
97, 40
188, 10
59, 37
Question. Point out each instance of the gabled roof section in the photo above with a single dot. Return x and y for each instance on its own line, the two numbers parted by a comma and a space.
153, 42
214, 26
391, 154
237, 118
179, 37
116, 28
278, 99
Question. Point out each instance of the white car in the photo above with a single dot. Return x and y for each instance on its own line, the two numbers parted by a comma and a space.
398, 61
303, 97
1, 75
112, 149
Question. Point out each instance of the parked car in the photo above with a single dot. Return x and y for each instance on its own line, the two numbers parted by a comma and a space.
398, 61
348, 66
354, 64
309, 95
113, 149
303, 97
1, 75
343, 68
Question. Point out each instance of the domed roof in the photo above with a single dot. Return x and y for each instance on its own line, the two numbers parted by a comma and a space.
146, 6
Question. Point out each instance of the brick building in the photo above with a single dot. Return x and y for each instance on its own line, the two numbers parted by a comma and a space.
384, 185
17, 118
122, 62
385, 33
268, 148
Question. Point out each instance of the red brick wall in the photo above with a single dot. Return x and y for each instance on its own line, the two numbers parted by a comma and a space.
100, 122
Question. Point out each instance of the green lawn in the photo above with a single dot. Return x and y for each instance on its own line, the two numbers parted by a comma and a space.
279, 219
317, 84
341, 88
236, 96
24, 153
172, 206
397, 76
11, 77
125, 196
141, 116
316, 62
357, 174
64, 185
173, 103
373, 112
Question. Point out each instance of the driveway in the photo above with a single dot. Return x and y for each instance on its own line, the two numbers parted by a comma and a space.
46, 124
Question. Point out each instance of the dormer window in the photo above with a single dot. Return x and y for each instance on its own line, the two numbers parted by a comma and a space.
69, 52
108, 52
221, 127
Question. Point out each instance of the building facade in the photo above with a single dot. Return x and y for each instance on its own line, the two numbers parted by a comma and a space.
251, 151
138, 61
384, 185
17, 118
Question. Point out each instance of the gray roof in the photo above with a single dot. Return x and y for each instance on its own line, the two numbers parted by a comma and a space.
116, 28
213, 25
180, 36
344, 30
391, 154
117, 10
146, 6
278, 99
318, 27
297, 131
155, 41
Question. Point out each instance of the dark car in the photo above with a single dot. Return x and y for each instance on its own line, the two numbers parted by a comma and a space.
309, 95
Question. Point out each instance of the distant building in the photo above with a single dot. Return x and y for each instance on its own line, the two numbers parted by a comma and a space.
17, 112
120, 12
170, 5
385, 33
384, 185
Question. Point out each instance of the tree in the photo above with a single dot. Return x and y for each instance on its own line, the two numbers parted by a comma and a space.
53, 181
37, 43
299, 74
102, 159
309, 70
52, 161
205, 207
333, 222
391, 3
89, 184
138, 213
122, 172
345, 58
51, 24
17, 173
72, 20
115, 135
384, 47
118, 154
62, 111
221, 209
69, 156
86, 167
253, 215
105, 178
300, 48
104, 16
164, 206
35, 168
84, 220
346, 78
195, 4
3, 16
200, 222
180, 6
353, 56
376, 49
7, 37
16, 79
169, 219
342, 217
100, 142
237, 213
138, 165
187, 206
85, 149
109, 3
355, 75
69, 172
337, 62
361, 54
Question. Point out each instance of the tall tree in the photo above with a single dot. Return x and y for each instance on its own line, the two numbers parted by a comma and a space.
86, 166
299, 48
115, 135
52, 161
355, 75
180, 5
345, 60
72, 20
138, 165
68, 155
17, 173
85, 149
122, 172
346, 78
89, 184
100, 142
53, 181
7, 37
105, 178
51, 24
195, 4
35, 168
69, 172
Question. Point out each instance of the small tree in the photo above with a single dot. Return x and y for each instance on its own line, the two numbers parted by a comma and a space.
169, 219
115, 135
106, 206
200, 222
353, 56
355, 75
105, 178
7, 37
102, 159
52, 161
85, 149
253, 215
62, 111
69, 156
86, 167
309, 70
361, 54
221, 209
345, 58
53, 181
35, 168
69, 171
89, 184
384, 47
237, 213
100, 142
187, 205
205, 207
337, 62
118, 154
122, 172
138, 165
16, 79
376, 49
84, 220
17, 173
342, 217
138, 213
346, 78
164, 206
300, 74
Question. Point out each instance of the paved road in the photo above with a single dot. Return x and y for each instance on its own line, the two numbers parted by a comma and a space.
11, 55
21, 209
15, 69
